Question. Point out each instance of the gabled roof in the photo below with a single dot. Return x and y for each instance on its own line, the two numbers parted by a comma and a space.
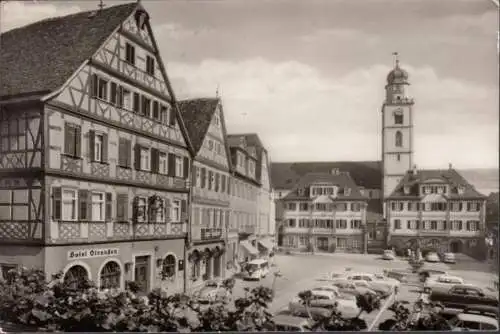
197, 115
449, 176
367, 174
42, 56
343, 181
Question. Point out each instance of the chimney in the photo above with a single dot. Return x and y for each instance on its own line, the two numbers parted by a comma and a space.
334, 171
450, 166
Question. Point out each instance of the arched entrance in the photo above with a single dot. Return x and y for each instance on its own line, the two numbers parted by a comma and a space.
207, 256
456, 246
195, 259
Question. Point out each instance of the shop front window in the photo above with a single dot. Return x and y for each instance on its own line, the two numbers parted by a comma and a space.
76, 276
169, 266
110, 275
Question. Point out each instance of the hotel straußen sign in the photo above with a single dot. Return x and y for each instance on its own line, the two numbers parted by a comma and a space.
93, 252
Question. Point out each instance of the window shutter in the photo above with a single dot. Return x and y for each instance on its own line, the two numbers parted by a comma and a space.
203, 177
167, 209
223, 184
171, 121
137, 103
114, 93
92, 145
216, 187
183, 210
229, 185
137, 157
210, 175
122, 151
109, 206
154, 160
193, 175
67, 138
186, 167
171, 164
82, 204
89, 205
94, 85
56, 203
105, 148
468, 225
78, 140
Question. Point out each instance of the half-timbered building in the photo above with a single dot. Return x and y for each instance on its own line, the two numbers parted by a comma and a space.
210, 211
94, 156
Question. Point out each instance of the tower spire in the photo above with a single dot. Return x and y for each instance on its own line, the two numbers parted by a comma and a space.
101, 4
396, 59
217, 91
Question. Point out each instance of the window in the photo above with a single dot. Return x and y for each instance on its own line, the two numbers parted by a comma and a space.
124, 153
399, 139
341, 223
179, 168
76, 276
303, 206
69, 204
169, 266
163, 163
210, 144
102, 90
398, 157
130, 53
356, 207
164, 114
472, 225
434, 225
110, 276
473, 206
156, 111
126, 99
140, 209
355, 224
292, 206
145, 106
98, 144
398, 117
176, 211
72, 137
341, 243
137, 103
122, 207
397, 224
150, 65
98, 206
145, 159
114, 93
292, 223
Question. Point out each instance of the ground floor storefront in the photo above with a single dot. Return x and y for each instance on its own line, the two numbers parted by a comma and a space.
150, 264
205, 262
472, 246
352, 243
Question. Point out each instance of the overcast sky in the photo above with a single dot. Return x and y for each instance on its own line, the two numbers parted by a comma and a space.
309, 76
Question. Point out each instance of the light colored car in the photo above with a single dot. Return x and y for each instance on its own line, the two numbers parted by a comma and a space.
473, 322
329, 288
331, 276
324, 294
213, 291
354, 288
449, 258
388, 255
432, 257
285, 321
347, 307
376, 282
441, 283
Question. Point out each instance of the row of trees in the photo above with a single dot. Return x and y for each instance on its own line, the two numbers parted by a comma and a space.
27, 298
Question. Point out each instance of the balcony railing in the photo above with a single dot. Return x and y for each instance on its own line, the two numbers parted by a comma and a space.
211, 233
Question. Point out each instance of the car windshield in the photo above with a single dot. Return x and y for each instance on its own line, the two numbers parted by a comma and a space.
212, 284
252, 266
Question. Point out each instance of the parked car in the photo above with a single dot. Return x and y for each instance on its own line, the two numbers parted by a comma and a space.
324, 294
300, 310
425, 274
474, 322
449, 258
331, 276
443, 283
376, 282
212, 291
355, 288
286, 321
329, 288
432, 257
256, 269
347, 307
463, 295
388, 255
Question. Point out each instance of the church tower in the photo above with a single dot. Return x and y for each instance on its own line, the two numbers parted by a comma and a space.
397, 129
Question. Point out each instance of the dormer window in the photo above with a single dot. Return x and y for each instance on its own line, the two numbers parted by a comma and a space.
301, 192
406, 190
347, 191
141, 18
461, 189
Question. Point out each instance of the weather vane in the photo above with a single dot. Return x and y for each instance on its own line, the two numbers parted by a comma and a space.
396, 58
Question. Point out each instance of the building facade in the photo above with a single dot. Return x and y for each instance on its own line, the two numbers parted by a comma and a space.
95, 158
325, 212
438, 210
211, 179
250, 201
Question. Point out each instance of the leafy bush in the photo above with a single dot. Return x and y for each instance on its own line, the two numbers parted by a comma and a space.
27, 298
423, 317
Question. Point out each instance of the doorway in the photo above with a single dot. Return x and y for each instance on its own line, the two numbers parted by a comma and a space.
456, 246
142, 273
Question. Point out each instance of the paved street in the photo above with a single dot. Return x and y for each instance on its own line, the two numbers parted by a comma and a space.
300, 272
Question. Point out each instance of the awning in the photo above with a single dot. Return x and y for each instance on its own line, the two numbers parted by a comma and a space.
249, 248
434, 198
266, 243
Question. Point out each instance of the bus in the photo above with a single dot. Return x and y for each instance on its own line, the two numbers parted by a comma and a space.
256, 269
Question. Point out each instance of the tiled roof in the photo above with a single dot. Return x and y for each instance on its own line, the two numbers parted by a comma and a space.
342, 180
197, 115
367, 174
43, 55
448, 176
